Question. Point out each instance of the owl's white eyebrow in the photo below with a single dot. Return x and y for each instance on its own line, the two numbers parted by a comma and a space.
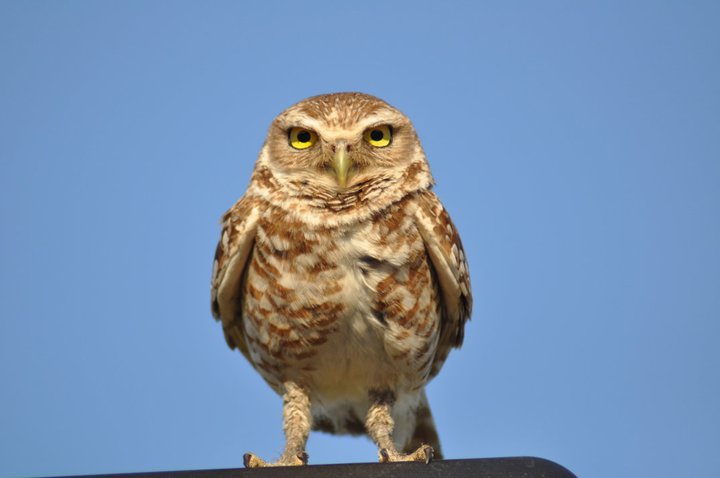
311, 125
375, 124
300, 126
379, 119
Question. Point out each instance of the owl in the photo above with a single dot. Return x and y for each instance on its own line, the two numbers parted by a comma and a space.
341, 278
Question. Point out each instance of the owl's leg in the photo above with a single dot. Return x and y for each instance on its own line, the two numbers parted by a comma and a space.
380, 424
296, 424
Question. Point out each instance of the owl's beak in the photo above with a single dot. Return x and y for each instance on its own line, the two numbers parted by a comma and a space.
341, 162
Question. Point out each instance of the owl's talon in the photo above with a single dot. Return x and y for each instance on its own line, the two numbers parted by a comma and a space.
250, 460
424, 454
428, 451
384, 455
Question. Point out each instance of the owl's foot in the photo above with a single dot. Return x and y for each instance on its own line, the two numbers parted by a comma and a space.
250, 460
296, 423
423, 454
380, 424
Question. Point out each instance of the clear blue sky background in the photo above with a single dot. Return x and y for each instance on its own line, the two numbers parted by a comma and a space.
576, 144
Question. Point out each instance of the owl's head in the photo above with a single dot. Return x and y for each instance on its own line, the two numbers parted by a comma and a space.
341, 140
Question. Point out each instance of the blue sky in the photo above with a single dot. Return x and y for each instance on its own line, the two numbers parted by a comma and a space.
576, 145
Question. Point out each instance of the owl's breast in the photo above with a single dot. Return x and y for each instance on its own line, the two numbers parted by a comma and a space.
346, 308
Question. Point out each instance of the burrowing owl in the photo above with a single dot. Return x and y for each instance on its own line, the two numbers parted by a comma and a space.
341, 278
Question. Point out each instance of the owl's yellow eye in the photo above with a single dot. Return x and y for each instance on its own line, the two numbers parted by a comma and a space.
379, 136
301, 138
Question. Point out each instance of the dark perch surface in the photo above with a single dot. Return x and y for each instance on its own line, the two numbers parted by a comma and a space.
521, 467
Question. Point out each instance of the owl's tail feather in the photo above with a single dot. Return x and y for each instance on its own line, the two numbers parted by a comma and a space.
425, 432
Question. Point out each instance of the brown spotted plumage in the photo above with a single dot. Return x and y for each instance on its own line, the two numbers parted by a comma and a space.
341, 278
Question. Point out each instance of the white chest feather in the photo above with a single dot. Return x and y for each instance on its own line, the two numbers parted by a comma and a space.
355, 356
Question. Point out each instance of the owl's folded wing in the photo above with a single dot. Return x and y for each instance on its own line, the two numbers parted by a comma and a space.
239, 225
447, 256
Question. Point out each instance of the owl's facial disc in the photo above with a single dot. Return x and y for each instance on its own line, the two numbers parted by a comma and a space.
340, 142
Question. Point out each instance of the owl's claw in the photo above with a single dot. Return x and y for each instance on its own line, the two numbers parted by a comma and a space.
423, 454
302, 457
250, 460
384, 455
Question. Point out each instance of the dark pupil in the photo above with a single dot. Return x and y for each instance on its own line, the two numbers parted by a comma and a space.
303, 136
376, 135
